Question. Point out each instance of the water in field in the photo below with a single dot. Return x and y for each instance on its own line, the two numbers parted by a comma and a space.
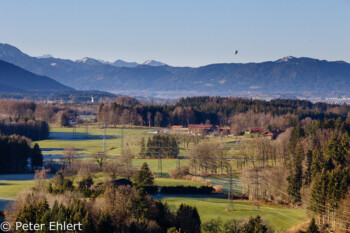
4, 203
69, 136
48, 157
19, 177
16, 177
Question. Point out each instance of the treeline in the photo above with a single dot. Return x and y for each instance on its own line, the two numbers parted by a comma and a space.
309, 166
191, 110
186, 190
60, 184
33, 129
29, 110
230, 106
213, 110
326, 168
122, 209
160, 146
15, 153
209, 158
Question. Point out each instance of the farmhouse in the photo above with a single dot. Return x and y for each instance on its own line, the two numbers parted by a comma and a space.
201, 129
272, 134
179, 129
257, 130
224, 130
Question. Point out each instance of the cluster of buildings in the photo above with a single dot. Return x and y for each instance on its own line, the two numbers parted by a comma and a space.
270, 134
200, 129
207, 129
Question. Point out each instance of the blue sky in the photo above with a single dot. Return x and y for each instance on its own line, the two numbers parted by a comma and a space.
181, 32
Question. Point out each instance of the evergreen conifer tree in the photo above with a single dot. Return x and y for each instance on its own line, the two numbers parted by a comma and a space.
317, 162
144, 176
87, 224
295, 178
188, 220
143, 147
312, 227
255, 225
36, 157
308, 167
104, 224
319, 193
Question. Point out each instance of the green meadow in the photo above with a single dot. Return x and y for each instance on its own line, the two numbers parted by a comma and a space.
10, 188
279, 218
61, 137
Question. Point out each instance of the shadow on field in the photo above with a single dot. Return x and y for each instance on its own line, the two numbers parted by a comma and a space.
77, 136
4, 203
57, 149
163, 175
18, 177
60, 156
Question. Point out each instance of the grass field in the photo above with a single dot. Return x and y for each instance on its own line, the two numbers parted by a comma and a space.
277, 217
61, 137
167, 164
10, 188
175, 182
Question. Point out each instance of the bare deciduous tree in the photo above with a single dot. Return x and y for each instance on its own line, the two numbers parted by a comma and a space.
40, 177
100, 158
69, 157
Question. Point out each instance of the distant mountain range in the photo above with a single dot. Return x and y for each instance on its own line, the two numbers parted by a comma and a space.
117, 63
288, 76
16, 79
16, 82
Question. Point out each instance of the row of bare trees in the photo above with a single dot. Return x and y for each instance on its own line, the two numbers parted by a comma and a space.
209, 158
121, 166
247, 120
16, 110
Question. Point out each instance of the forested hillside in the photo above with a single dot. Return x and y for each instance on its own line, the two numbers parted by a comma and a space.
218, 111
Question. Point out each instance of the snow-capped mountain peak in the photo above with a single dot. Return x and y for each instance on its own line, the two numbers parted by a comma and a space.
121, 63
46, 56
153, 63
286, 58
88, 61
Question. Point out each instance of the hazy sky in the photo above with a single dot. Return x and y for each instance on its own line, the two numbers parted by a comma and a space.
178, 32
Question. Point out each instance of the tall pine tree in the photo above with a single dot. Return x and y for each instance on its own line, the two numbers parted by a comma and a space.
295, 178
143, 147
312, 227
36, 157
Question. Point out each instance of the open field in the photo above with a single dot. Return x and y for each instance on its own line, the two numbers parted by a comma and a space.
61, 137
10, 188
175, 182
86, 144
167, 164
279, 218
12, 184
